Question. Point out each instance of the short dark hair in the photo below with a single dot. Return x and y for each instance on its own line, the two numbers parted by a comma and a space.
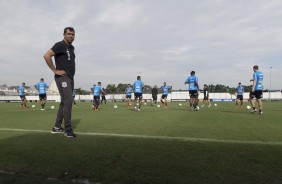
138, 77
42, 79
193, 73
69, 28
256, 67
99, 82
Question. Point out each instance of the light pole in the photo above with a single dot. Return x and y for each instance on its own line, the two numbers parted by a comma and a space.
270, 83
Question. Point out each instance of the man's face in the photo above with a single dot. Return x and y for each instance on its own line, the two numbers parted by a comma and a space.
69, 36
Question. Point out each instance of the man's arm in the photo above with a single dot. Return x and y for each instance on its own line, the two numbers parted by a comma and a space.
48, 58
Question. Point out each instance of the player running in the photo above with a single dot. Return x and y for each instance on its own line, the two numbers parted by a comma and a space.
42, 88
154, 95
138, 87
193, 90
22, 93
239, 93
128, 92
165, 89
97, 90
257, 89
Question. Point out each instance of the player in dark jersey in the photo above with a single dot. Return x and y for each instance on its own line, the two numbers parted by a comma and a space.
64, 55
206, 96
103, 95
154, 95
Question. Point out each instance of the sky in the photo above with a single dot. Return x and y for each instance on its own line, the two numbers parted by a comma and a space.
161, 40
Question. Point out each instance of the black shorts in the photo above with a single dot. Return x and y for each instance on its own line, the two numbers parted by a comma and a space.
155, 97
164, 96
206, 97
128, 97
193, 93
103, 97
42, 97
138, 95
256, 94
239, 97
22, 97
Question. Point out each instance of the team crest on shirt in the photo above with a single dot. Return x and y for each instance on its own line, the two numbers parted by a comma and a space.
64, 84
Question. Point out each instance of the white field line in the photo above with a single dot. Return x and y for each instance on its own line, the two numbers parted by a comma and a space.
184, 139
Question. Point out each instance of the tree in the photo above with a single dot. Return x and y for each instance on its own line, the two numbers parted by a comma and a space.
113, 89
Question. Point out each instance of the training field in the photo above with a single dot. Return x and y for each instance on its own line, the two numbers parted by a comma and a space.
154, 146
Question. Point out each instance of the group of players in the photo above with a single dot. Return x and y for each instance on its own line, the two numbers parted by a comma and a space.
138, 86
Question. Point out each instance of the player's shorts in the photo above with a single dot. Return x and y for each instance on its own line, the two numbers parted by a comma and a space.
193, 93
155, 97
164, 96
256, 94
22, 97
128, 96
239, 97
103, 97
138, 95
42, 97
206, 97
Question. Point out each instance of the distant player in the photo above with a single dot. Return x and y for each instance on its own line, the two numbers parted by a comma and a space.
97, 90
206, 96
42, 88
239, 93
22, 93
138, 87
257, 89
128, 92
73, 96
193, 90
154, 95
165, 89
103, 95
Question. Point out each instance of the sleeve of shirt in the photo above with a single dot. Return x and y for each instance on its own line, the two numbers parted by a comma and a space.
57, 48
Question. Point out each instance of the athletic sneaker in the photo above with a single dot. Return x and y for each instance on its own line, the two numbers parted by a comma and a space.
70, 134
57, 130
260, 111
253, 111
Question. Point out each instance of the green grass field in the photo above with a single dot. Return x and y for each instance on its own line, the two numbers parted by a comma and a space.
155, 146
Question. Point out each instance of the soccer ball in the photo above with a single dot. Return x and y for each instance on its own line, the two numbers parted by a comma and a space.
158, 106
180, 104
215, 104
33, 106
197, 108
248, 107
115, 106
52, 107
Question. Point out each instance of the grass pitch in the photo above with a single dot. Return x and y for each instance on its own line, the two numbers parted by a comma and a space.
155, 146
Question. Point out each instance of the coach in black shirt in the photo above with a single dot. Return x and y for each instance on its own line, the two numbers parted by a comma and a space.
64, 71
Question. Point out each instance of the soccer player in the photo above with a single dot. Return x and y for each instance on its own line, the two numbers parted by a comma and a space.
128, 92
206, 96
64, 55
42, 88
103, 95
22, 93
165, 89
97, 90
138, 87
257, 89
154, 95
193, 90
73, 96
239, 93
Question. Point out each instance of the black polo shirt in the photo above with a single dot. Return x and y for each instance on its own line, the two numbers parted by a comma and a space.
64, 57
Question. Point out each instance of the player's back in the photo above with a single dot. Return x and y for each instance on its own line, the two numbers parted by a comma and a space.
138, 86
192, 81
97, 90
41, 87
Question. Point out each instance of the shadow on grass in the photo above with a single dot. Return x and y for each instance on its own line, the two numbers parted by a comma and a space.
136, 160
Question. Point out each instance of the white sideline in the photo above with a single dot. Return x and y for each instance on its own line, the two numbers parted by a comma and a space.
188, 139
